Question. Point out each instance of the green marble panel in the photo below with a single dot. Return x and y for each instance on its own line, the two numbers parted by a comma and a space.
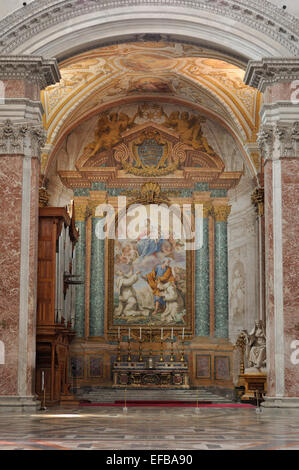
201, 187
97, 284
81, 191
98, 186
221, 281
218, 193
80, 289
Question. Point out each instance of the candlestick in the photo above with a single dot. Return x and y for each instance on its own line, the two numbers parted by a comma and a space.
43, 402
140, 351
171, 353
129, 351
161, 352
118, 350
182, 353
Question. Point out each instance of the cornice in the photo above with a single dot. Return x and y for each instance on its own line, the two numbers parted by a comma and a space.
261, 74
260, 15
30, 68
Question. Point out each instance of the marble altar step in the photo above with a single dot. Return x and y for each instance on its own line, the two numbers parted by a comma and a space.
97, 395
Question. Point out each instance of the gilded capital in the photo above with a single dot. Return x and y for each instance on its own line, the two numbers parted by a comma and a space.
257, 199
81, 210
221, 213
207, 208
92, 207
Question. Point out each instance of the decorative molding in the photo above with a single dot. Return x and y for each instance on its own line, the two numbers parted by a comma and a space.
259, 15
269, 71
22, 138
30, 68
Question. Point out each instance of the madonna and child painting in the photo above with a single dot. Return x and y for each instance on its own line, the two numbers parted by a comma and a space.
150, 278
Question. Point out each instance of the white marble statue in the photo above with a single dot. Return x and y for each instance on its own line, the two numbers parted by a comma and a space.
256, 348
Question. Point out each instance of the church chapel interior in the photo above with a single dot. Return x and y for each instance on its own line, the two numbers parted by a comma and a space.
105, 108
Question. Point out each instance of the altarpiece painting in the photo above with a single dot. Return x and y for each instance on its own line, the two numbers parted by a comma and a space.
150, 277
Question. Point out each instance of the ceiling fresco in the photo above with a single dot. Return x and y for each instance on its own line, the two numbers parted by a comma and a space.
127, 72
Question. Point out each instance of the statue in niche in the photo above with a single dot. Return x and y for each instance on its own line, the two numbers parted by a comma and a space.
108, 131
255, 348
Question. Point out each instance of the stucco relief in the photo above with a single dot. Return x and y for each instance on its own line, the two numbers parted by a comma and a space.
242, 261
237, 297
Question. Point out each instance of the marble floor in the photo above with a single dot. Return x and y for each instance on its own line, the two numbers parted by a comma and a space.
150, 429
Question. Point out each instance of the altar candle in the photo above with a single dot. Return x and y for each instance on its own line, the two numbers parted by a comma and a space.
171, 333
140, 334
118, 332
43, 380
129, 333
161, 333
183, 333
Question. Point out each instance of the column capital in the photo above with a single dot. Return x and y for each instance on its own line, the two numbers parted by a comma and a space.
270, 71
81, 208
279, 140
21, 138
207, 207
36, 69
257, 199
221, 213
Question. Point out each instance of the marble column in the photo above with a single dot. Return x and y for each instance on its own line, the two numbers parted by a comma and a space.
257, 199
97, 283
278, 80
21, 139
202, 279
221, 271
79, 302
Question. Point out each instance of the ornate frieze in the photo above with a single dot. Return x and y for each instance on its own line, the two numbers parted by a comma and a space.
269, 71
32, 69
122, 156
21, 138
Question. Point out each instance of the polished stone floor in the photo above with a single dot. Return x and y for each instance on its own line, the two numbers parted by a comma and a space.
150, 429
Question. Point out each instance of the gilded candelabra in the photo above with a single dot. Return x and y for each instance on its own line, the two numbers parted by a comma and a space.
182, 352
161, 352
171, 352
140, 351
118, 350
129, 350
241, 345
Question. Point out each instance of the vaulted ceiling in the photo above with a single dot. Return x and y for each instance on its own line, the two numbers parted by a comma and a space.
170, 72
